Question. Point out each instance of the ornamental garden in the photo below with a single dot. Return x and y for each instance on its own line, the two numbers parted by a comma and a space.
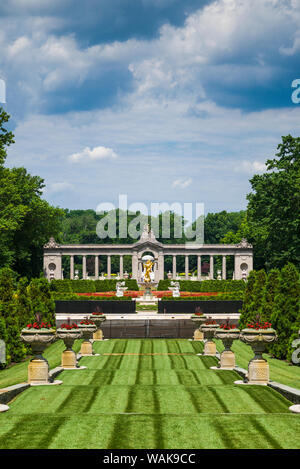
230, 383
146, 344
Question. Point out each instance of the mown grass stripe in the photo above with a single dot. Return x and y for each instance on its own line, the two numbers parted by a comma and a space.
273, 442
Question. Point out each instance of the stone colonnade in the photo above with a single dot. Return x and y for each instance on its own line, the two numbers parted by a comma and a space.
53, 252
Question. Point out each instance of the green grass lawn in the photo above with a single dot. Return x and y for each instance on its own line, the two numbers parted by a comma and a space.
149, 401
18, 373
280, 371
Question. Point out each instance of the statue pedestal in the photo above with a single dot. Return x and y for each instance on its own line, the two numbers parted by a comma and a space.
258, 372
68, 359
98, 335
198, 335
86, 348
210, 348
38, 371
227, 360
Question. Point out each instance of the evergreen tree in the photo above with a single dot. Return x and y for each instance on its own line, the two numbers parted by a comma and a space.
41, 299
286, 315
23, 304
258, 293
270, 291
16, 351
246, 313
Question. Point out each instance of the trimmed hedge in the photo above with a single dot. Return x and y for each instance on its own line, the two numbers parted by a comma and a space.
205, 285
238, 296
90, 286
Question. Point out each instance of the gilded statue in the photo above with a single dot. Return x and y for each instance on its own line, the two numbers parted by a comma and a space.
148, 269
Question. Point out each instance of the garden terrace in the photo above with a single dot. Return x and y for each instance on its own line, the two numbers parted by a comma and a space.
149, 394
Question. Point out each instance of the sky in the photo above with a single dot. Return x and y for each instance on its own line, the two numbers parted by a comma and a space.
162, 100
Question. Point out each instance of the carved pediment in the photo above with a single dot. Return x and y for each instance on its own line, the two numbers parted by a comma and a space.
244, 244
147, 239
51, 244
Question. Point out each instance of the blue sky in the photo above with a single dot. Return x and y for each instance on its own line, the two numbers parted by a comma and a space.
162, 100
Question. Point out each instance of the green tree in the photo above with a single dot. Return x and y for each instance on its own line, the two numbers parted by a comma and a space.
41, 299
26, 220
247, 311
16, 351
6, 137
258, 293
273, 211
286, 316
22, 303
270, 291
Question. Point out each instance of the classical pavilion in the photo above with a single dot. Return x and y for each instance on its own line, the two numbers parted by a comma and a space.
53, 253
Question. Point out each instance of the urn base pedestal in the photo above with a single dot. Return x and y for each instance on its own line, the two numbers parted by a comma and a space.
86, 348
227, 360
210, 348
98, 335
3, 408
38, 372
198, 335
68, 359
258, 372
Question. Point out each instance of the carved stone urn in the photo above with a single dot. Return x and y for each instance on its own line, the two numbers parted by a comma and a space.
208, 330
258, 338
38, 337
227, 359
198, 319
98, 319
69, 333
87, 328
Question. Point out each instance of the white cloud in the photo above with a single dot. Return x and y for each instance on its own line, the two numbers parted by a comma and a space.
58, 187
97, 153
182, 183
251, 167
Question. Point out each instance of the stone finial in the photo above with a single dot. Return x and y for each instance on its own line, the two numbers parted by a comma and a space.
244, 244
51, 244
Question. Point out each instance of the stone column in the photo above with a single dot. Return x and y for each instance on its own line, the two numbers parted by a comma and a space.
84, 267
186, 267
71, 267
96, 267
224, 267
134, 265
108, 266
161, 266
174, 267
211, 267
199, 267
121, 268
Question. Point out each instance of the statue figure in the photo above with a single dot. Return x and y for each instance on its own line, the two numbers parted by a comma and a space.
148, 269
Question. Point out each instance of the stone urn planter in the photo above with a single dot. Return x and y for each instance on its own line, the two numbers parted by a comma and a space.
258, 336
38, 336
198, 318
87, 328
98, 318
69, 333
227, 334
208, 328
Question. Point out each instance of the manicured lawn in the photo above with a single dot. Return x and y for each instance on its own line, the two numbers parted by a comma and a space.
149, 401
18, 373
280, 371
